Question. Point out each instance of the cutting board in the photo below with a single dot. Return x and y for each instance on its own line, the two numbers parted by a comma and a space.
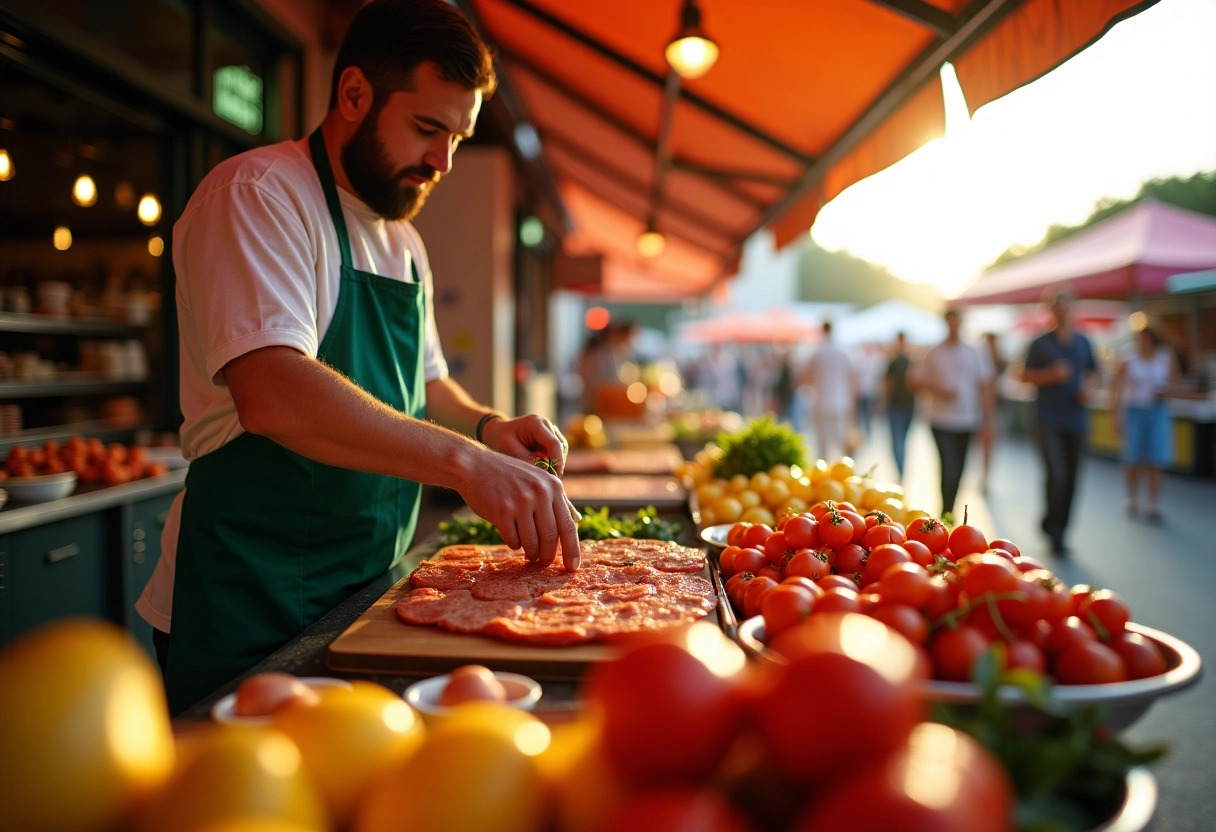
624, 491
379, 642
662, 459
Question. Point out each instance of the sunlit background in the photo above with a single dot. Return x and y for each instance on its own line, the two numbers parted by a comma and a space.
1139, 104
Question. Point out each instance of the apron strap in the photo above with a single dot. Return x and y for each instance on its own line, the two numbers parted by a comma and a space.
320, 161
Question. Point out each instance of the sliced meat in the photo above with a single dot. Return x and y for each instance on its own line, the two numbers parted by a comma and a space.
445, 575
428, 605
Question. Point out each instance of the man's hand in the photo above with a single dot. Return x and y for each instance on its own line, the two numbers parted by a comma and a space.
528, 437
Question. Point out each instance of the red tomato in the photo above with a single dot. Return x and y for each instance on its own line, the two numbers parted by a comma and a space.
943, 597
881, 533
736, 533
966, 540
1006, 544
882, 557
1025, 655
837, 582
777, 549
771, 571
1105, 612
726, 560
905, 620
839, 600
806, 583
1140, 656
984, 573
1067, 633
835, 530
907, 790
919, 551
858, 523
850, 560
668, 716
905, 583
930, 532
1088, 663
676, 810
785, 606
736, 586
749, 559
955, 651
1027, 564
757, 536
757, 588
802, 532
864, 664
809, 564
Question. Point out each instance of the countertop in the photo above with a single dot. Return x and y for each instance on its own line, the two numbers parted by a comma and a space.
89, 499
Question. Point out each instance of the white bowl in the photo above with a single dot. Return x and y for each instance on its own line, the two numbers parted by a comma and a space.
1125, 702
40, 488
523, 692
222, 711
716, 535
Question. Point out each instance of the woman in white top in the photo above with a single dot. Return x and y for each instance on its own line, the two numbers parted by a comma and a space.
1141, 417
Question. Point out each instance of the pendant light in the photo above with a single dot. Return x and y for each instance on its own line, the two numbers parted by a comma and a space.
691, 53
6, 166
148, 210
84, 191
651, 242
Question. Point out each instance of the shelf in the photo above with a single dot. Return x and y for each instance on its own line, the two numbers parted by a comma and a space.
49, 325
67, 387
61, 433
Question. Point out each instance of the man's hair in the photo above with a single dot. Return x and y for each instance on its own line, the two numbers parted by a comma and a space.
388, 39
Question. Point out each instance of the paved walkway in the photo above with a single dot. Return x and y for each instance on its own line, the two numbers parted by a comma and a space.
1166, 573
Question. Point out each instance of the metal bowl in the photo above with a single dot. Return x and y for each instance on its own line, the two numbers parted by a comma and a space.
716, 535
40, 488
1139, 804
1125, 702
523, 692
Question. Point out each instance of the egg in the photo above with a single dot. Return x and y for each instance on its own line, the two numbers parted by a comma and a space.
472, 683
264, 693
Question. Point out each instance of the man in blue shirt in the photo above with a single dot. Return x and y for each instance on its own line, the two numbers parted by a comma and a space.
1061, 364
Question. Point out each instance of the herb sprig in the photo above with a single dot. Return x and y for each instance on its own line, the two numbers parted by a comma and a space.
597, 524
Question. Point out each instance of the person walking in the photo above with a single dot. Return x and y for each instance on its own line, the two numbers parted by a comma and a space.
831, 385
1060, 363
315, 396
901, 400
1142, 419
988, 440
957, 380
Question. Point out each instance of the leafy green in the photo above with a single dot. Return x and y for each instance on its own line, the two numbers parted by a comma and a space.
597, 524
1067, 768
760, 445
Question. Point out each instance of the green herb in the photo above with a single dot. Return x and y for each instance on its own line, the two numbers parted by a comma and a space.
597, 524
549, 465
1068, 770
762, 444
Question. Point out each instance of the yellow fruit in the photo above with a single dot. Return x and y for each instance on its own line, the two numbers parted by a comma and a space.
475, 770
870, 497
349, 738
709, 493
818, 471
794, 505
760, 481
842, 468
758, 514
801, 488
231, 772
727, 509
587, 788
893, 508
776, 493
829, 489
749, 499
84, 728
709, 517
738, 482
914, 514
781, 472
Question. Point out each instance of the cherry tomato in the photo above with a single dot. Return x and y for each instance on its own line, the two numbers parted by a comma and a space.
802, 532
1140, 656
857, 522
750, 559
1006, 544
264, 693
1067, 633
809, 564
955, 651
837, 582
850, 560
919, 551
1105, 612
726, 560
883, 556
880, 534
1088, 663
757, 588
684, 809
1025, 655
734, 536
785, 606
770, 571
837, 599
930, 532
472, 683
905, 583
905, 620
984, 573
777, 549
835, 530
756, 536
966, 540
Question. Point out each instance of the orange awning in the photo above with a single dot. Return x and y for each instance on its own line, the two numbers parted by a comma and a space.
807, 97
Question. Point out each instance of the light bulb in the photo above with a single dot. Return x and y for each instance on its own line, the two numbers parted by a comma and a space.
651, 243
6, 166
148, 210
691, 57
84, 191
62, 238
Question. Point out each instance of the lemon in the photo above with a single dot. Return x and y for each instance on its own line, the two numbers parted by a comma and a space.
84, 729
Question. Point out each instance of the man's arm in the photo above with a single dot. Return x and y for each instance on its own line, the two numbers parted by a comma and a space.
311, 409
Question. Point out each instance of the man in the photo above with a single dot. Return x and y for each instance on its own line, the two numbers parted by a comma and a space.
958, 381
832, 385
901, 400
310, 363
1061, 364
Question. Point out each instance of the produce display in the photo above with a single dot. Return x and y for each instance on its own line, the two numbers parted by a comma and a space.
92, 460
623, 586
596, 524
949, 591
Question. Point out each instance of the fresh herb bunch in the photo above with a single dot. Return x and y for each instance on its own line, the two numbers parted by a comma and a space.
597, 524
760, 445
1068, 773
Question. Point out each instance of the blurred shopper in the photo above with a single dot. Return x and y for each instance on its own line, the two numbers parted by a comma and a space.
1061, 364
988, 440
1142, 420
601, 360
723, 379
831, 385
901, 400
783, 388
957, 379
870, 365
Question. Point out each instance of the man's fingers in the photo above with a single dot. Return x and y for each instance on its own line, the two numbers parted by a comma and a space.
567, 528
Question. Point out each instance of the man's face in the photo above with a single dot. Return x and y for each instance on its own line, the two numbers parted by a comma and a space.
405, 143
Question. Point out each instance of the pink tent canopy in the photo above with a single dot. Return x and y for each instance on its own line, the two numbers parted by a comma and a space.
778, 325
1132, 252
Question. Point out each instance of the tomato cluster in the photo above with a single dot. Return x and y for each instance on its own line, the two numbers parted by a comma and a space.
693, 737
93, 461
952, 593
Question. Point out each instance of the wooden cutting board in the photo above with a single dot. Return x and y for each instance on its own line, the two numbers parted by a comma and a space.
624, 491
379, 642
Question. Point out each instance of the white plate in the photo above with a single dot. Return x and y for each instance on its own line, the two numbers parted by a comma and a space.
222, 711
523, 692
1125, 702
41, 487
716, 535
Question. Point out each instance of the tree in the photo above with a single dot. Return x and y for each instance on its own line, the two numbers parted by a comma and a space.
839, 277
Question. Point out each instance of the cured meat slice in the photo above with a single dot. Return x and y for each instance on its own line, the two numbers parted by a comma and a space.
624, 586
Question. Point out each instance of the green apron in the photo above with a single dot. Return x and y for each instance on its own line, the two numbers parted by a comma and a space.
270, 540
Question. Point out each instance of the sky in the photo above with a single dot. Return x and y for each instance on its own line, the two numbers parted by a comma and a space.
1138, 104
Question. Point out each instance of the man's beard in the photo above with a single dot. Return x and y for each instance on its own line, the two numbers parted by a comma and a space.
370, 172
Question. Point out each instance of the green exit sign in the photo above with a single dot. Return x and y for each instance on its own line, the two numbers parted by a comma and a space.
237, 97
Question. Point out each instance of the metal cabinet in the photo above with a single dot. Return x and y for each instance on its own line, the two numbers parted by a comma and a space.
56, 570
142, 523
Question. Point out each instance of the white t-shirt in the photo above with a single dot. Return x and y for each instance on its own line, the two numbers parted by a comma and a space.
1145, 379
830, 377
964, 369
258, 265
